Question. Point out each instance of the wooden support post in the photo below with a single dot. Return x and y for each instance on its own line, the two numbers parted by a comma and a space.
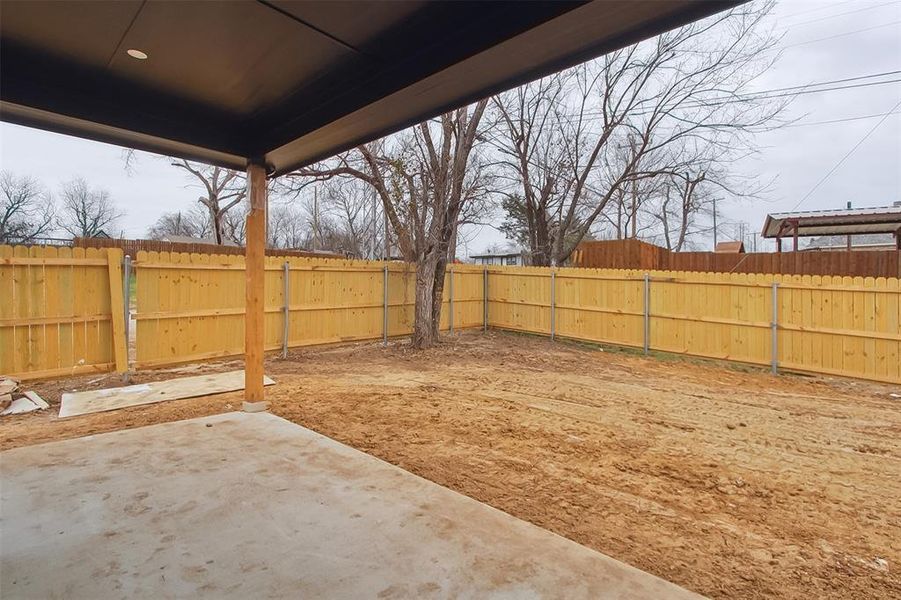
117, 305
255, 271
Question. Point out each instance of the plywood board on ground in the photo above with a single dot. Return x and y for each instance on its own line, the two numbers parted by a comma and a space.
82, 403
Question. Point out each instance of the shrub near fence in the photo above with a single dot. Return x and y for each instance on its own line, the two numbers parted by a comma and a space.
60, 315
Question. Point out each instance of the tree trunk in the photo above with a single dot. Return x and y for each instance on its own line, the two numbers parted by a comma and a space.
425, 328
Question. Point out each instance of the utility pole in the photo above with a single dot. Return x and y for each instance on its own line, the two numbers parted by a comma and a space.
714, 224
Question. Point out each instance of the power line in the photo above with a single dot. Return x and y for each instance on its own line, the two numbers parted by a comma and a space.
845, 157
842, 14
817, 9
838, 35
844, 120
763, 95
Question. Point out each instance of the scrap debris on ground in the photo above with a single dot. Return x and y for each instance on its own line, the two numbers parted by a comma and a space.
728, 481
13, 403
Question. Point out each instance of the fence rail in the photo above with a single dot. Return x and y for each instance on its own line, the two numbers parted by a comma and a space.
64, 310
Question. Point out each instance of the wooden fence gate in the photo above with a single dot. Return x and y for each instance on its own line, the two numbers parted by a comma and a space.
59, 313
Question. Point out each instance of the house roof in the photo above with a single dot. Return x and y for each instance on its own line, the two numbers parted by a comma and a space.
879, 219
288, 82
187, 239
730, 247
496, 254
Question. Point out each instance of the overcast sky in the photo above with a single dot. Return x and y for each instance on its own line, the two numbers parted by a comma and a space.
823, 41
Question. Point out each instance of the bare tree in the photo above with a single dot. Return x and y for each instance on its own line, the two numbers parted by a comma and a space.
225, 189
574, 142
86, 212
287, 227
424, 178
26, 209
193, 223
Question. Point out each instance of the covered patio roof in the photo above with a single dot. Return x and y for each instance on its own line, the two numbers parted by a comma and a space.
850, 221
272, 85
847, 222
286, 83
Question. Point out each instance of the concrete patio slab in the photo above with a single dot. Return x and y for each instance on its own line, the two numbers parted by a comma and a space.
252, 506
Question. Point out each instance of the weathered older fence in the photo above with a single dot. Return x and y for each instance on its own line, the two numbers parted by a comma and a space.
60, 314
635, 254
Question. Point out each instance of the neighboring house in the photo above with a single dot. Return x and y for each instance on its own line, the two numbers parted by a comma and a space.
730, 248
187, 239
513, 257
869, 241
102, 235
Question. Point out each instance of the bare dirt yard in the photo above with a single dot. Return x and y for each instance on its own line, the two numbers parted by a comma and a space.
727, 481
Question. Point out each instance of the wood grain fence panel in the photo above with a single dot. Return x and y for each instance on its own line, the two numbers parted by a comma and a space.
56, 315
827, 324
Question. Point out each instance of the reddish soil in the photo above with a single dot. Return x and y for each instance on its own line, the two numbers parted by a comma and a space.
727, 481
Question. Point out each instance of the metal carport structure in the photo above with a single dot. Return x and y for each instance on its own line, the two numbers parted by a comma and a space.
271, 85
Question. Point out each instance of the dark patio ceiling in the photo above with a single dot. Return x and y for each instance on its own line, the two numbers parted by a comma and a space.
289, 82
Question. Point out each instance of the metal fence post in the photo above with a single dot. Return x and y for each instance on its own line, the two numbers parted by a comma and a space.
450, 316
385, 307
287, 310
647, 313
485, 299
553, 303
774, 325
126, 301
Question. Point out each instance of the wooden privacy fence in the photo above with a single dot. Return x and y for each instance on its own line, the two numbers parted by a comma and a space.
191, 306
59, 315
132, 247
835, 325
635, 254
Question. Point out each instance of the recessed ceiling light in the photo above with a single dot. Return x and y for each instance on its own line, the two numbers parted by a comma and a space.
134, 53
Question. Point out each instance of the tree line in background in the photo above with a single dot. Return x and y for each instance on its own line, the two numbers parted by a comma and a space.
638, 143
30, 212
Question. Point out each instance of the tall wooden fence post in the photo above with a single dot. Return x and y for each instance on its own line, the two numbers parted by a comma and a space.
774, 325
287, 276
450, 316
117, 308
553, 303
647, 313
385, 307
